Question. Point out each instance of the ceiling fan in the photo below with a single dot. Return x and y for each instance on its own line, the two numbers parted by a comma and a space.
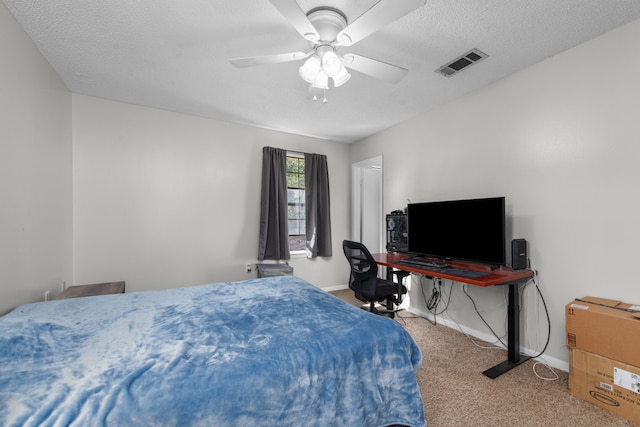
327, 29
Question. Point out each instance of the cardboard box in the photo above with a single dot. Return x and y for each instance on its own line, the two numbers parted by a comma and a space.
606, 383
609, 328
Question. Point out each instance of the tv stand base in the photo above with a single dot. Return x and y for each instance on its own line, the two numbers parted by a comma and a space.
514, 358
503, 367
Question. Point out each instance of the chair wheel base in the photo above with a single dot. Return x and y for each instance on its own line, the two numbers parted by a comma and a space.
381, 312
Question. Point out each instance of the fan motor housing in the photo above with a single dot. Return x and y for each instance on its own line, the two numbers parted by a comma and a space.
328, 22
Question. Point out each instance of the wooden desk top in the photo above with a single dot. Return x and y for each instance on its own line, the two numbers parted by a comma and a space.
498, 276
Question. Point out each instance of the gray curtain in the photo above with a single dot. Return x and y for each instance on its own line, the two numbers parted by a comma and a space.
274, 229
317, 206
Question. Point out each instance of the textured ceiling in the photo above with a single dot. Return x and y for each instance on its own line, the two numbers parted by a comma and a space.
173, 55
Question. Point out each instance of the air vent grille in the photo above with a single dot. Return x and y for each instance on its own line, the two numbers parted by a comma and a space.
462, 62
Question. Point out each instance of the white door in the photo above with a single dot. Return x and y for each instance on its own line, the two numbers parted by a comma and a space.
368, 215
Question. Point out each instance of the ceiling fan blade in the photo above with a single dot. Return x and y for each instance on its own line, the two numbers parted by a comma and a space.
374, 68
291, 10
379, 15
252, 61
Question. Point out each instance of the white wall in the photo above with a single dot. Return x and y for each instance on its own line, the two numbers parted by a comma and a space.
165, 200
35, 171
560, 141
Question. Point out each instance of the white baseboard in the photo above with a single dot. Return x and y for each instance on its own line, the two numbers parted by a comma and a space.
551, 361
335, 288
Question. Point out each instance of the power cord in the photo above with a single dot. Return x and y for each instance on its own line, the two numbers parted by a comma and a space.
555, 376
434, 299
472, 339
426, 300
446, 307
546, 310
475, 307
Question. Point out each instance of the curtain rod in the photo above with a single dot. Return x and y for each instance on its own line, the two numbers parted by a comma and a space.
294, 153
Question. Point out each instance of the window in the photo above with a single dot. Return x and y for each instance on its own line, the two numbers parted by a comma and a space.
295, 202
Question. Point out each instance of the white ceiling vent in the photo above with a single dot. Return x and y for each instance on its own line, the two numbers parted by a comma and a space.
461, 62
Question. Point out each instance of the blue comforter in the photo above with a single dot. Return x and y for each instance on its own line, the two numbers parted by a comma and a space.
265, 352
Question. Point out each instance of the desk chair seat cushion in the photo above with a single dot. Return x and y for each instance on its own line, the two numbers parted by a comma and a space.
375, 289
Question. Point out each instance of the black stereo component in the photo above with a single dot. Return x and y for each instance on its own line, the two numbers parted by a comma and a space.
397, 232
519, 256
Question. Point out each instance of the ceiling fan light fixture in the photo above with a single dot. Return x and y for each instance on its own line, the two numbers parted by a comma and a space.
310, 69
331, 64
321, 81
341, 77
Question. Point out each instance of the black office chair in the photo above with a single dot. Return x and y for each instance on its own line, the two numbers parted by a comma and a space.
366, 284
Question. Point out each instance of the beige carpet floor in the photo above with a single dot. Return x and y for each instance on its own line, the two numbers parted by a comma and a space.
456, 393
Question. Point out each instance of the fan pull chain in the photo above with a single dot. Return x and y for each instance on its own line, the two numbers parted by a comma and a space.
324, 97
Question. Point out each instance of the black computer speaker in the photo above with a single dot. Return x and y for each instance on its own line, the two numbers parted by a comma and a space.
519, 256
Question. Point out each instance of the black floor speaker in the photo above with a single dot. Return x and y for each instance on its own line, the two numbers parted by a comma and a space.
519, 257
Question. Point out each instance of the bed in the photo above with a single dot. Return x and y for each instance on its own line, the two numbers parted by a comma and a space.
265, 352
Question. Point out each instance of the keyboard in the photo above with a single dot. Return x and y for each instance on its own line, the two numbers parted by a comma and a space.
443, 268
423, 263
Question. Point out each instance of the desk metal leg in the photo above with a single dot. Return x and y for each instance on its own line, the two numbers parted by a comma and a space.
389, 274
513, 337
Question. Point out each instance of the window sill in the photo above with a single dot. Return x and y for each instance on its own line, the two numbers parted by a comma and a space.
298, 254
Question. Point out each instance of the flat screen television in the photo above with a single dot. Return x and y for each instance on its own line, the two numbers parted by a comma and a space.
469, 230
